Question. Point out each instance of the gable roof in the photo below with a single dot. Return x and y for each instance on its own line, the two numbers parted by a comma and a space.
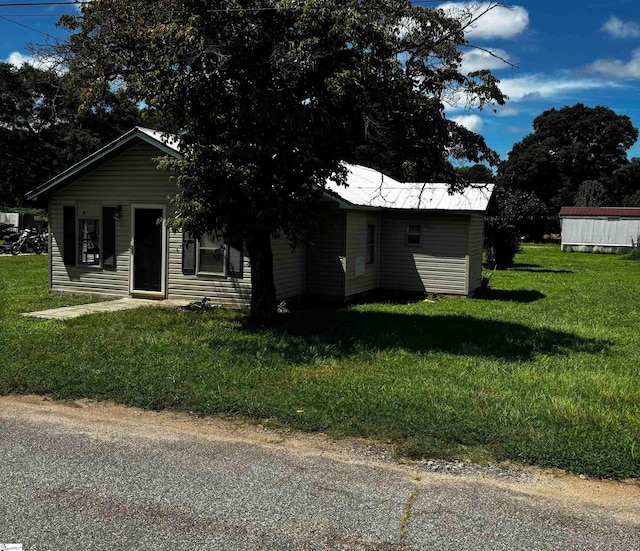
632, 212
367, 188
164, 142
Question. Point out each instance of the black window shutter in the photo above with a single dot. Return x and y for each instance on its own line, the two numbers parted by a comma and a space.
69, 236
188, 255
109, 238
234, 259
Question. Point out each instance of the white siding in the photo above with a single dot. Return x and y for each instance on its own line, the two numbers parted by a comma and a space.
437, 265
289, 268
229, 292
612, 232
326, 255
356, 233
476, 245
235, 292
131, 177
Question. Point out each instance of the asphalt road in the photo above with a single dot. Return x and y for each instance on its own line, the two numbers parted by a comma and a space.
96, 476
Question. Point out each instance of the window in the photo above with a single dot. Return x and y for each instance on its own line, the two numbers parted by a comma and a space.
370, 250
413, 234
218, 258
89, 241
211, 255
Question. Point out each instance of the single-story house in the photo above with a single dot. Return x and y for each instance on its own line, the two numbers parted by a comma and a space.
105, 235
599, 229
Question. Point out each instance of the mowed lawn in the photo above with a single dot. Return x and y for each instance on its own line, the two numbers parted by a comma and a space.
545, 369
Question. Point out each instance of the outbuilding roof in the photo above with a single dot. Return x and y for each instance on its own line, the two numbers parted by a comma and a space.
632, 212
367, 188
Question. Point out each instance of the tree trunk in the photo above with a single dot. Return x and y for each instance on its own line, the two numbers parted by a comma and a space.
264, 308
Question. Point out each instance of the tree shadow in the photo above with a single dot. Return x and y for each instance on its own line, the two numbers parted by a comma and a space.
543, 271
516, 295
536, 268
519, 265
345, 332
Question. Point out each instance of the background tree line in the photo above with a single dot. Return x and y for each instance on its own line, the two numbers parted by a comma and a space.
44, 130
575, 156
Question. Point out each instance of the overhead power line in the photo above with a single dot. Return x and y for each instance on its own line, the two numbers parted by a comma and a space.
76, 2
28, 4
47, 35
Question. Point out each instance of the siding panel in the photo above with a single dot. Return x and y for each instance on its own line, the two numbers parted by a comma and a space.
476, 245
326, 255
228, 292
600, 231
289, 268
356, 239
437, 265
131, 177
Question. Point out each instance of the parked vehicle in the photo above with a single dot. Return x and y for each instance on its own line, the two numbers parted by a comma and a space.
27, 240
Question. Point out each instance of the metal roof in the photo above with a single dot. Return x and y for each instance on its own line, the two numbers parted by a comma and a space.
632, 212
170, 141
369, 188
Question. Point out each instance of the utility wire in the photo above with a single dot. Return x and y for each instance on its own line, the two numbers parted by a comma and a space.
27, 4
77, 2
47, 35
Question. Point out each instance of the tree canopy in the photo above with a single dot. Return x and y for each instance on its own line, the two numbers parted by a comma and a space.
42, 131
573, 153
270, 96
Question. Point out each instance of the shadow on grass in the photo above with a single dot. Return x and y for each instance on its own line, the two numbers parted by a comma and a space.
517, 295
520, 265
541, 271
348, 331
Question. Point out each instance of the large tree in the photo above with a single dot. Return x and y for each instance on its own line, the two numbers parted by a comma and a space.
270, 96
569, 147
43, 131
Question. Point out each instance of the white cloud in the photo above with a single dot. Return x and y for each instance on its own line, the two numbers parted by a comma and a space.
616, 68
533, 88
542, 86
499, 22
618, 28
18, 59
470, 122
507, 111
475, 60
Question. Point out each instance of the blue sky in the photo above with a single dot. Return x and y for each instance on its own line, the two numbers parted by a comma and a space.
564, 52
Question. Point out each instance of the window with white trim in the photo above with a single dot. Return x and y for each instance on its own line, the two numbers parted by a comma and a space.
89, 241
218, 258
211, 256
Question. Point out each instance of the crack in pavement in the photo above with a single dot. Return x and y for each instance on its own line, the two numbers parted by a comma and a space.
407, 512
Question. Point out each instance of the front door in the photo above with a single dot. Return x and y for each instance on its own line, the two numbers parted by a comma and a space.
148, 250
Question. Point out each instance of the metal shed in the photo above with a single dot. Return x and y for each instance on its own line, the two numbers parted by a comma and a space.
600, 229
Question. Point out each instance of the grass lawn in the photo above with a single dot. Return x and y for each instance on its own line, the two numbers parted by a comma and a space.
545, 369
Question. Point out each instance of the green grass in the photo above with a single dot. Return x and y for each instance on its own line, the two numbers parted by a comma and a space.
544, 369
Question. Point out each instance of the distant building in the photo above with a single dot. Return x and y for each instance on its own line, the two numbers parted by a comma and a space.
600, 229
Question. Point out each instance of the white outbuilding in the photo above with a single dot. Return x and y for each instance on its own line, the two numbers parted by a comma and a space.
600, 229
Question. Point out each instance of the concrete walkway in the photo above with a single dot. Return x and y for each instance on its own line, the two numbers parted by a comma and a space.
128, 303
